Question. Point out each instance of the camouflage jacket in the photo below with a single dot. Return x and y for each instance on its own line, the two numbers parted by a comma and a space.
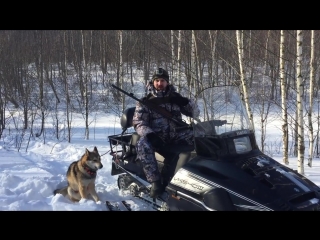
146, 120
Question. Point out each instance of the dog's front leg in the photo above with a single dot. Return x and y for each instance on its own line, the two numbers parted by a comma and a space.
83, 191
92, 191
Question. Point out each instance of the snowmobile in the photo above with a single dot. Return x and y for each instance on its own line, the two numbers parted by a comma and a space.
224, 171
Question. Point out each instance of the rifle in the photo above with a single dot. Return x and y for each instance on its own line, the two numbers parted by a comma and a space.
156, 108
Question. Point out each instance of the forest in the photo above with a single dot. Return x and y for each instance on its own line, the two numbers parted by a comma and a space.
46, 72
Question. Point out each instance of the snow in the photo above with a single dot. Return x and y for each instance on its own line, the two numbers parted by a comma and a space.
28, 178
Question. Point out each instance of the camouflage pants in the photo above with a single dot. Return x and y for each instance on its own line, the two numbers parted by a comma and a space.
145, 153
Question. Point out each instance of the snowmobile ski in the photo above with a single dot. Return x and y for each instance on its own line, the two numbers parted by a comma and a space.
123, 205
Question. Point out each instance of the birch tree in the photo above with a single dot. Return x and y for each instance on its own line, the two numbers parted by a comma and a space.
264, 106
213, 43
301, 146
66, 86
311, 141
284, 109
121, 66
39, 69
242, 75
179, 60
85, 86
193, 62
173, 58
176, 59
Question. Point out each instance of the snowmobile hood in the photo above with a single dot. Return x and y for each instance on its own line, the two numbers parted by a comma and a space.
277, 176
252, 182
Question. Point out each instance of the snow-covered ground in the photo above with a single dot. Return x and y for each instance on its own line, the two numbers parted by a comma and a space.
28, 178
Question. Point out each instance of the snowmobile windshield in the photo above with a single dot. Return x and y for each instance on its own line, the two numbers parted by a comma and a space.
221, 111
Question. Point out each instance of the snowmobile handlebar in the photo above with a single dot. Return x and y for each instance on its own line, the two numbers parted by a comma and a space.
177, 129
219, 123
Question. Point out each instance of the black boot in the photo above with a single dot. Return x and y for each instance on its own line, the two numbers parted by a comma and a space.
156, 189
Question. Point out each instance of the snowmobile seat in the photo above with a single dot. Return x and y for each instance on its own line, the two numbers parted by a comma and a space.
126, 122
126, 118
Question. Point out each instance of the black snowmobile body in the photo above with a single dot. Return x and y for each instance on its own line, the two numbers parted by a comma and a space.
225, 171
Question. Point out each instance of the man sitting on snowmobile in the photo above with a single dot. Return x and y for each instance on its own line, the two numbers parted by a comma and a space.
155, 130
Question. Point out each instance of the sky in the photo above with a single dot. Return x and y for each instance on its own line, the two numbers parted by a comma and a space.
28, 178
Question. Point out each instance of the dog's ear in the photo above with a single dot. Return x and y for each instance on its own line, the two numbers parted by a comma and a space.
95, 149
87, 152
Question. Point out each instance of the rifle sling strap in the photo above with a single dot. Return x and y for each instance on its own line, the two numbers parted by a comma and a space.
154, 102
155, 106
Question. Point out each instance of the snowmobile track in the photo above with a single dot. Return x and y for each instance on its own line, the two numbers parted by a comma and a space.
126, 205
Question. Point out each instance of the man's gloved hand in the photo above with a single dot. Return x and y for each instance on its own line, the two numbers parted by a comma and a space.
181, 101
155, 140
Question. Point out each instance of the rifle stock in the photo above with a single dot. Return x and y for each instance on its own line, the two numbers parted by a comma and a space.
154, 107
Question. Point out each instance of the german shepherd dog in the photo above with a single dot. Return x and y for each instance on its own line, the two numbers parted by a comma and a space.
81, 176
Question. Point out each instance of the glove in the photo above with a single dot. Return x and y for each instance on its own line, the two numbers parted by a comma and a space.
155, 140
180, 101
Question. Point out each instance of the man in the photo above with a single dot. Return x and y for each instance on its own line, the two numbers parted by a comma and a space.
155, 130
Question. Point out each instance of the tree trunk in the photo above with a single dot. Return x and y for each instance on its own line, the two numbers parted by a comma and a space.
242, 76
284, 112
311, 91
301, 146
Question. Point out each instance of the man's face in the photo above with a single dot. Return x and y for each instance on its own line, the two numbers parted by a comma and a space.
160, 84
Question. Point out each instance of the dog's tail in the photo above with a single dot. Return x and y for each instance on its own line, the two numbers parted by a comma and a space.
63, 191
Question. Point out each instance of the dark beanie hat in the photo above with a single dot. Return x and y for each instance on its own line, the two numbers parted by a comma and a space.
161, 73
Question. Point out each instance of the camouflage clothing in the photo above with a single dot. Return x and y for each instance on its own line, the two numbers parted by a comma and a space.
147, 121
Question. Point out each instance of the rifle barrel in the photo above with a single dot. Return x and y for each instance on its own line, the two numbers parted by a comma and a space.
161, 111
